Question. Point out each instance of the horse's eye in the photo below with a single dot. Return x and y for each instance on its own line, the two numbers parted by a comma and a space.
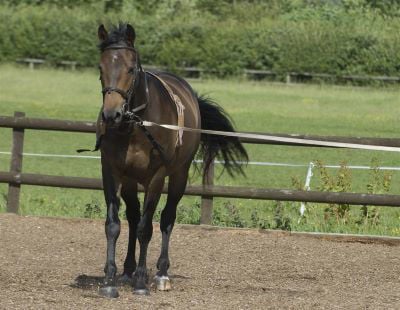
131, 70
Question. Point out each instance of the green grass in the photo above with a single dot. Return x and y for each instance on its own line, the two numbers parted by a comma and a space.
254, 106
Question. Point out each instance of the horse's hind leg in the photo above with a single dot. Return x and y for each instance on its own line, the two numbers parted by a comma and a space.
129, 195
176, 188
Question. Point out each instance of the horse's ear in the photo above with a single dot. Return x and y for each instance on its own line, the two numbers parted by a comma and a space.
102, 33
130, 34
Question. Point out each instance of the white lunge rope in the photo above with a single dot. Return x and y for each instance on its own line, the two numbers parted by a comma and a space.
262, 137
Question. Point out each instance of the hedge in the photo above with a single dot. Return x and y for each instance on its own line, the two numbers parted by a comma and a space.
324, 39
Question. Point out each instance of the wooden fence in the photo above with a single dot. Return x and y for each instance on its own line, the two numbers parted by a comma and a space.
15, 177
289, 77
197, 72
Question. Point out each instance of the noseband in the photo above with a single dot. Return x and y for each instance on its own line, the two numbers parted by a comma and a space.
127, 95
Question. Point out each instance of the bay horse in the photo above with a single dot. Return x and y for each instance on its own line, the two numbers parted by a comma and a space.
133, 154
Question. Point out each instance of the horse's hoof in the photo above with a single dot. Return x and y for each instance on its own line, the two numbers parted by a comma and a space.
125, 280
109, 291
141, 291
163, 283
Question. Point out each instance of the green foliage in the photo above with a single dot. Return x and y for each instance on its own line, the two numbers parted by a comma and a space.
341, 182
188, 214
258, 221
386, 7
329, 36
47, 32
282, 220
86, 4
379, 183
93, 210
228, 215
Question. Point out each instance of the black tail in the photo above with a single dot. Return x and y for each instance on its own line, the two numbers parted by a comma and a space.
228, 149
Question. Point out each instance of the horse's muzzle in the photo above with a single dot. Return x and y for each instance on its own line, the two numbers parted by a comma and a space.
112, 116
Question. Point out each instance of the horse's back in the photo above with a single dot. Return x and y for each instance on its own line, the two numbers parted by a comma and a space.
187, 96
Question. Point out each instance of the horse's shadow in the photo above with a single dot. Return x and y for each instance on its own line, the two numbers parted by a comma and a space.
86, 282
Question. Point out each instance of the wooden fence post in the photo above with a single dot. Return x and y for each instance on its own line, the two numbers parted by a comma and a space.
288, 78
207, 201
15, 166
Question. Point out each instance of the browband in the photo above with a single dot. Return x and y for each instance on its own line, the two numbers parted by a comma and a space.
118, 47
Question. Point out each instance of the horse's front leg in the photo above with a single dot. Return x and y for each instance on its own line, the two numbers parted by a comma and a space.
145, 230
111, 187
129, 195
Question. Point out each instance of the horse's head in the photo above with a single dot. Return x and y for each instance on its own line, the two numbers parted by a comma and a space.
119, 71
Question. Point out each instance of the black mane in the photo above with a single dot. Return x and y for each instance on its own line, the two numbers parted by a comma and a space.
117, 34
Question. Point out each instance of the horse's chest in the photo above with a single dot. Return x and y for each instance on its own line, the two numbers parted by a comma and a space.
140, 165
136, 160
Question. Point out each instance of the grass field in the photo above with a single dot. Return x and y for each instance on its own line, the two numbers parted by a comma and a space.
254, 106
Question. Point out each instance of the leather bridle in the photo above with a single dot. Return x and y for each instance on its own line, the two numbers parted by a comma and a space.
127, 110
129, 113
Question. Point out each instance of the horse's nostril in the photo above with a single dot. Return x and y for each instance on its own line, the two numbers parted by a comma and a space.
111, 116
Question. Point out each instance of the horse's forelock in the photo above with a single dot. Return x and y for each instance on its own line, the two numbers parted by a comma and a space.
117, 35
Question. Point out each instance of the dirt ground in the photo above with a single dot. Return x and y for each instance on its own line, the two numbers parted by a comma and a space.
48, 263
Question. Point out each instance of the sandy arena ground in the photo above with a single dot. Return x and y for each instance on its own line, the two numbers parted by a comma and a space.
50, 263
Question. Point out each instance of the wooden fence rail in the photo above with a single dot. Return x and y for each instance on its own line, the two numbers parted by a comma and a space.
15, 178
213, 190
289, 76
